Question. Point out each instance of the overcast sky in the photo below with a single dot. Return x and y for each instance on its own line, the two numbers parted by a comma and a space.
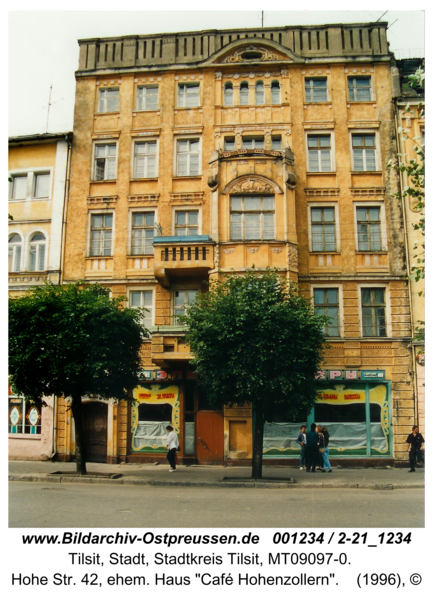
43, 49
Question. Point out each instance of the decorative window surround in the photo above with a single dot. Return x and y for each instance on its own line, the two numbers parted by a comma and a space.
187, 197
322, 193
368, 192
154, 198
103, 200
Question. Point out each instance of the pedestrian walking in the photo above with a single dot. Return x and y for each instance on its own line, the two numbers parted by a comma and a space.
324, 449
302, 441
312, 451
172, 446
415, 443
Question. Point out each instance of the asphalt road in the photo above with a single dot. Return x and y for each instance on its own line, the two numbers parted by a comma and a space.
104, 505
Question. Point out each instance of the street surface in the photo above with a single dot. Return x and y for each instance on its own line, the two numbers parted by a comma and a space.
106, 505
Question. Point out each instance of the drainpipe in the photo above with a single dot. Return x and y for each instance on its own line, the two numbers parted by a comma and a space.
54, 440
65, 203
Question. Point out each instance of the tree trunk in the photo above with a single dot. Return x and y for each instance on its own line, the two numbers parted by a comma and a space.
77, 413
258, 441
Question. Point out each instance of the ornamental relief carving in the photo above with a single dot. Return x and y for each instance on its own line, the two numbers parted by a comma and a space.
252, 184
292, 257
242, 55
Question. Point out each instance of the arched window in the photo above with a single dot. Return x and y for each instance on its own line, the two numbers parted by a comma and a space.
260, 92
37, 252
14, 253
275, 92
228, 94
245, 93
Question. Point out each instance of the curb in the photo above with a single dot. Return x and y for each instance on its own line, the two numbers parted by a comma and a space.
218, 484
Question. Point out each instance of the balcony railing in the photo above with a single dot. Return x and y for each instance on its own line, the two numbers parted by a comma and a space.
184, 253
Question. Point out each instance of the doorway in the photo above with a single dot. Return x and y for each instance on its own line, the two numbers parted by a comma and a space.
95, 431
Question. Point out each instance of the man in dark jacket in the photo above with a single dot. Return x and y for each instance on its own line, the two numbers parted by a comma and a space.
302, 441
311, 453
415, 441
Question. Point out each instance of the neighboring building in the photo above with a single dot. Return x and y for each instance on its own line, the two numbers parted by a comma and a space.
410, 118
203, 153
38, 171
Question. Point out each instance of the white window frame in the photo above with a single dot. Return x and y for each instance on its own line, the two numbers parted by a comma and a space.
321, 132
243, 212
229, 85
103, 101
254, 138
14, 252
362, 76
311, 88
181, 288
91, 213
339, 287
142, 141
108, 142
175, 154
176, 209
182, 95
333, 205
388, 324
374, 132
279, 93
151, 289
29, 244
130, 227
31, 175
383, 231
263, 92
240, 93
24, 408
143, 98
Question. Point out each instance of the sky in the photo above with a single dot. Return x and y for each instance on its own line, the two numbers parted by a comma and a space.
43, 49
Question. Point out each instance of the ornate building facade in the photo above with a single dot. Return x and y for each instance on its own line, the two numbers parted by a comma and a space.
200, 154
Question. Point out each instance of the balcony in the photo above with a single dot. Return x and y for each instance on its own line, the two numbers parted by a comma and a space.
190, 256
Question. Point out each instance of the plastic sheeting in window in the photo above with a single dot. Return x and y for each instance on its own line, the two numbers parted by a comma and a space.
189, 438
280, 436
151, 433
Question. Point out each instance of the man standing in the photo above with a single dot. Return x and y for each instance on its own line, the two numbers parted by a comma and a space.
312, 449
302, 441
172, 446
415, 441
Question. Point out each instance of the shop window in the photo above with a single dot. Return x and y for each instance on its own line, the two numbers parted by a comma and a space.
188, 158
373, 312
143, 226
37, 252
147, 97
108, 100
359, 89
105, 162
319, 153
186, 222
101, 233
368, 226
228, 94
24, 417
326, 304
14, 254
143, 299
188, 95
244, 93
275, 92
316, 89
145, 159
252, 218
364, 151
323, 229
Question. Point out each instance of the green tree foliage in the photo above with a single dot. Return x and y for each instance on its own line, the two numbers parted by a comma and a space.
73, 341
255, 339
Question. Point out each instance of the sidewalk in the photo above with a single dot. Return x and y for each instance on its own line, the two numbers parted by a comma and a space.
216, 476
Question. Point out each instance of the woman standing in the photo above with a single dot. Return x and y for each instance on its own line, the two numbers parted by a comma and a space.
325, 451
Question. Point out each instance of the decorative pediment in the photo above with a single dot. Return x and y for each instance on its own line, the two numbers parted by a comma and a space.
254, 53
248, 52
252, 184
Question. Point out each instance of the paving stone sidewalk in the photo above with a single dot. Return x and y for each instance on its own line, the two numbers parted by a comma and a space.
216, 476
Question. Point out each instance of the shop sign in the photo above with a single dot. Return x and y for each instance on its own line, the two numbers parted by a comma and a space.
372, 375
351, 375
166, 375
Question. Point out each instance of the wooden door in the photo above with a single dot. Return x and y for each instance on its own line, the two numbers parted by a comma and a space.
95, 431
210, 437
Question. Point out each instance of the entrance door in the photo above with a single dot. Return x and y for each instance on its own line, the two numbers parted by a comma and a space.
210, 437
95, 431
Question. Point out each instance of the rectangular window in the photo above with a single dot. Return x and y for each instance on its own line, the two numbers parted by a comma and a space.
373, 312
105, 162
229, 144
108, 100
42, 185
186, 222
323, 229
145, 159
316, 89
360, 89
188, 157
19, 187
182, 301
276, 142
326, 304
143, 224
249, 143
252, 218
101, 235
368, 224
188, 95
147, 97
24, 417
364, 151
143, 299
319, 153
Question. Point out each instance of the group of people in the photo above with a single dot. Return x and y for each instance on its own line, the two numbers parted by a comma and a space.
314, 449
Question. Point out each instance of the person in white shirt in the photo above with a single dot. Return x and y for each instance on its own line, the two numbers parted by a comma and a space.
172, 446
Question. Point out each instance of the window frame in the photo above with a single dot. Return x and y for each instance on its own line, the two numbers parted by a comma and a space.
105, 100
143, 98
244, 85
137, 141
103, 212
197, 138
228, 86
182, 96
279, 93
335, 206
321, 133
38, 245
132, 289
376, 148
177, 289
340, 318
382, 218
31, 178
132, 212
24, 409
108, 142
14, 252
387, 313
261, 212
188, 209
254, 139
261, 92
310, 89
364, 77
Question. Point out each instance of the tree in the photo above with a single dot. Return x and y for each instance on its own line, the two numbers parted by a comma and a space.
255, 339
73, 341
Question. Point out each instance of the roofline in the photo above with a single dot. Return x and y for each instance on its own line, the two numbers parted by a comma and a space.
39, 137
